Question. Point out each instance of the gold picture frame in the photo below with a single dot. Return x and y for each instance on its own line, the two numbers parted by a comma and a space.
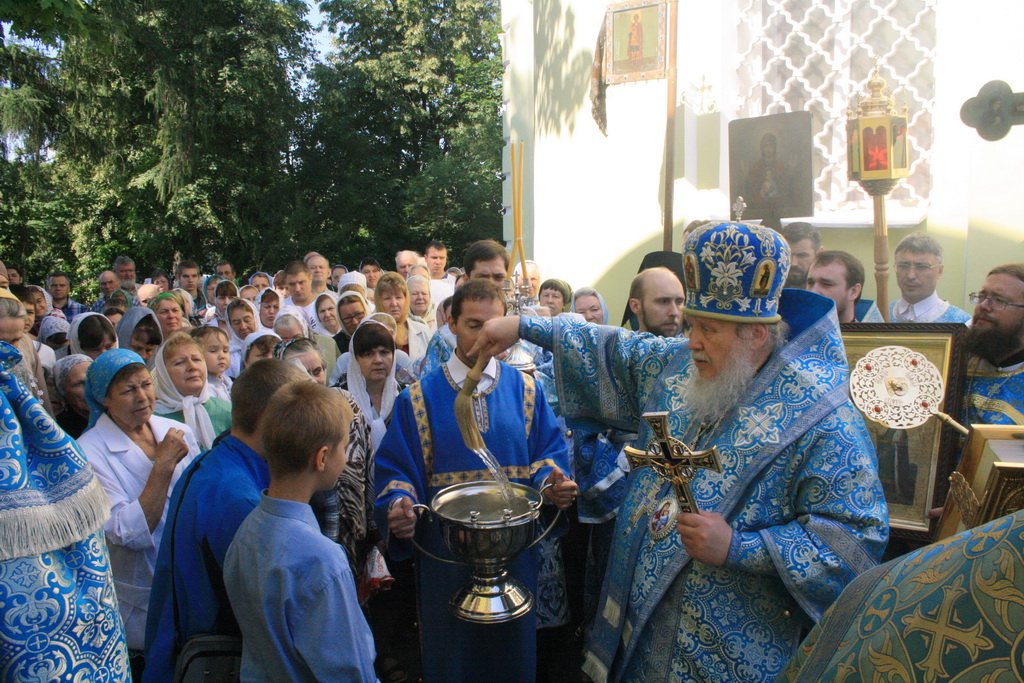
984, 484
636, 41
914, 464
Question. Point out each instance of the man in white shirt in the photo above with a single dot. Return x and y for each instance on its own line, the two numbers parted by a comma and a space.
319, 272
918, 269
442, 285
299, 283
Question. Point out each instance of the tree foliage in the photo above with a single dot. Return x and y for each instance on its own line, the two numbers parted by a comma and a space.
204, 129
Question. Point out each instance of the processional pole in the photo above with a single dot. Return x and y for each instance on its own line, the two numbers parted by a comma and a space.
877, 158
670, 130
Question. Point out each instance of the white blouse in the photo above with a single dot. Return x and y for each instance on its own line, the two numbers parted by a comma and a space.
123, 469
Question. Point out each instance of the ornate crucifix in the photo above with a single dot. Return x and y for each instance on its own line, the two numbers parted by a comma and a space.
673, 460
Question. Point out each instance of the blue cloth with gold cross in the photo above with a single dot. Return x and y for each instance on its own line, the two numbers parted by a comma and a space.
951, 611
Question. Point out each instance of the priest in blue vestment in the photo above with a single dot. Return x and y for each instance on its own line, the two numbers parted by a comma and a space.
423, 453
995, 344
797, 510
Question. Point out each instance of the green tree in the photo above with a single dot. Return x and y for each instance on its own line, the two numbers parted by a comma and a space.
404, 137
173, 133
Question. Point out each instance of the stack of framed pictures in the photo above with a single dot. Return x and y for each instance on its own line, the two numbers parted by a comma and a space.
989, 482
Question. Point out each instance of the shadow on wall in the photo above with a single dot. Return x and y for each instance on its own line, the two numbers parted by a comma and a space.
614, 282
562, 73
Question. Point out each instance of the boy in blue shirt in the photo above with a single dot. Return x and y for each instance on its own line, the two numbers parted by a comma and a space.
288, 584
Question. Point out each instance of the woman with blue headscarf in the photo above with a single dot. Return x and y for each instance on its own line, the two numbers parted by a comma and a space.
137, 457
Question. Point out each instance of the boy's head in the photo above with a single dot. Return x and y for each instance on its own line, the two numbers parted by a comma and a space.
305, 431
250, 391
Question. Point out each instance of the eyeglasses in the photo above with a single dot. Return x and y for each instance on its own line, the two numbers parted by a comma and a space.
996, 303
906, 267
353, 318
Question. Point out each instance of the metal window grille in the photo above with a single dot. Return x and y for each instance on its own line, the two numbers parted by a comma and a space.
815, 55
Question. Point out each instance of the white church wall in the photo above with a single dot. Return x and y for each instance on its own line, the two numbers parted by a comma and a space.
593, 203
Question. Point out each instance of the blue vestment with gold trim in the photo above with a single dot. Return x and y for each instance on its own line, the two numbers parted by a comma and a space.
421, 454
994, 395
799, 486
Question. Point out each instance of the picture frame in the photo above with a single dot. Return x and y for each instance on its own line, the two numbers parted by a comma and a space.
635, 33
914, 464
771, 167
991, 479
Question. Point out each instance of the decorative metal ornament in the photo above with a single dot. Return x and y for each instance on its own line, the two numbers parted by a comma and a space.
673, 460
899, 388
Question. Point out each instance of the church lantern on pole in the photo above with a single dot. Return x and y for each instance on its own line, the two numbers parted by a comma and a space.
877, 157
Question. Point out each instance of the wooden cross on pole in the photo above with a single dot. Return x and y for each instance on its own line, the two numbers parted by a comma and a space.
673, 460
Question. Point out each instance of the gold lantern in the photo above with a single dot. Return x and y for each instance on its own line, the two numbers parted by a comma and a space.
877, 157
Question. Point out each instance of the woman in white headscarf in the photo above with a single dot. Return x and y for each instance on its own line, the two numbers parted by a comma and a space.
421, 306
291, 323
182, 393
243, 319
371, 375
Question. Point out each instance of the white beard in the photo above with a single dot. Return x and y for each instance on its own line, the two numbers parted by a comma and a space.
707, 400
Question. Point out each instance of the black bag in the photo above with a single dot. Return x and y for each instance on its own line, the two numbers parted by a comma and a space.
210, 659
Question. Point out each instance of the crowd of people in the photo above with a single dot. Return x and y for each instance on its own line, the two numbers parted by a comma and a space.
262, 442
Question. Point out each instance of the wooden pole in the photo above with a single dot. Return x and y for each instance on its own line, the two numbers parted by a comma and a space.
670, 128
881, 257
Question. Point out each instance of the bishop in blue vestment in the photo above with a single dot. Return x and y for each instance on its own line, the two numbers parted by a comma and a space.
797, 510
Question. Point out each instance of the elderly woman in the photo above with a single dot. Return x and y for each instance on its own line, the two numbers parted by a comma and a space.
421, 307
69, 381
303, 352
589, 303
91, 334
139, 330
555, 295
170, 313
137, 457
327, 313
392, 297
291, 324
182, 393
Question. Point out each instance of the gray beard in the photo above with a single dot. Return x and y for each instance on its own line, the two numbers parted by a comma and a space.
707, 400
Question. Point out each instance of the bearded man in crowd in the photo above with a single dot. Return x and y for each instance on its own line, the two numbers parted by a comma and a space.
995, 344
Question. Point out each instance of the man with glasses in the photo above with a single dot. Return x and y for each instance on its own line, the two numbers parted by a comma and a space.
918, 269
995, 347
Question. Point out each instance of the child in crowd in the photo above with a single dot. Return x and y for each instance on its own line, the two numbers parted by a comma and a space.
286, 581
214, 343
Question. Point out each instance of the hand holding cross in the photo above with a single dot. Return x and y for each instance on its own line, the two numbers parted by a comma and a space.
673, 460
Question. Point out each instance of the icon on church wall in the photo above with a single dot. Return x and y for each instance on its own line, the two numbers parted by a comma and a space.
637, 46
770, 166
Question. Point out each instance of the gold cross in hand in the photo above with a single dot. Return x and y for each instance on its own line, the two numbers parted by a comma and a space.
671, 459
